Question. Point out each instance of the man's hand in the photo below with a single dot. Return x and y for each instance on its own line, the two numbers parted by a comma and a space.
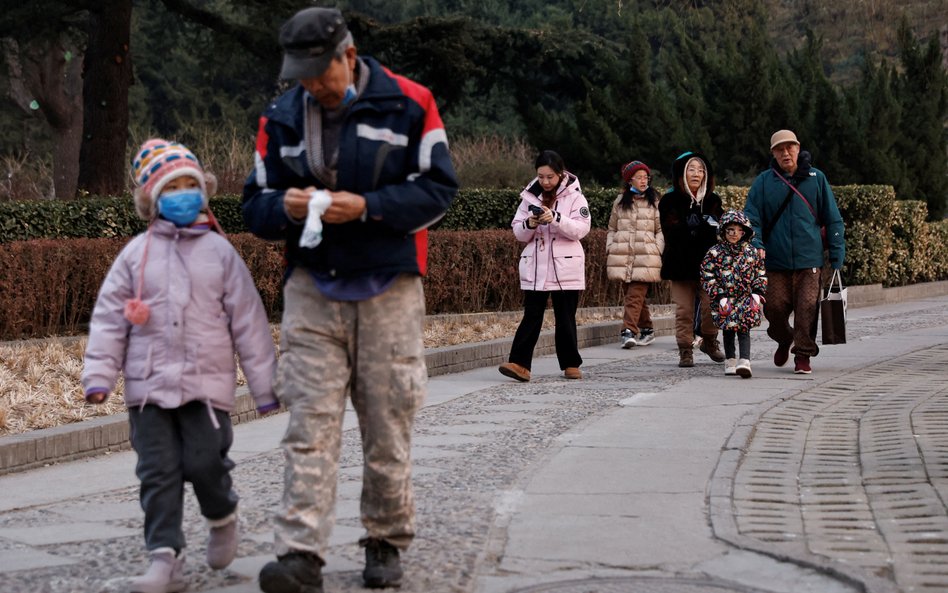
296, 202
346, 206
762, 254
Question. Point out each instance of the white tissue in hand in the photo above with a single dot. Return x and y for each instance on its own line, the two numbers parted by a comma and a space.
319, 202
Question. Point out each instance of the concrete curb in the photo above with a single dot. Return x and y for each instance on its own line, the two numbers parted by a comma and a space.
106, 434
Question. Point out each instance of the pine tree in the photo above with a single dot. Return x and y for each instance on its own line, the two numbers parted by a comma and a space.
922, 90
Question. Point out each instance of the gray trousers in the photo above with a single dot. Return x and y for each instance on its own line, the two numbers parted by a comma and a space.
371, 351
175, 446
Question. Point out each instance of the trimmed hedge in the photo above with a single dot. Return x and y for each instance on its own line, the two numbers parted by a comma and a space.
887, 241
468, 272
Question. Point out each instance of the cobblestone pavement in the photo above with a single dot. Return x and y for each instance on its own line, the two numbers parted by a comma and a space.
870, 448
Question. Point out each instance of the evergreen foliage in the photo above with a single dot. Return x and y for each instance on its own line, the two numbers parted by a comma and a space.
600, 81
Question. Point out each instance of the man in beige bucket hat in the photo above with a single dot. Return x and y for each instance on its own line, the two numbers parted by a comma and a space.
789, 205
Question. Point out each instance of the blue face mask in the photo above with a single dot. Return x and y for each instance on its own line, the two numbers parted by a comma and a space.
182, 206
350, 95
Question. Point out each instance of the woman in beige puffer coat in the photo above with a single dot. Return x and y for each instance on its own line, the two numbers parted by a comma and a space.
634, 245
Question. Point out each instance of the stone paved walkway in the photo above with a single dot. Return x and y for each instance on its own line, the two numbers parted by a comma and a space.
641, 477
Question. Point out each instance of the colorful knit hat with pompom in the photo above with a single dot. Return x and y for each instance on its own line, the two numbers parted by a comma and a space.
157, 162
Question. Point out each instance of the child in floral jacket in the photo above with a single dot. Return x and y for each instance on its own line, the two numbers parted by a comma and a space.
733, 275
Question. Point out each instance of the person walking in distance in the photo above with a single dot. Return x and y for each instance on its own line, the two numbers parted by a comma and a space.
552, 218
789, 205
733, 276
689, 214
351, 168
634, 244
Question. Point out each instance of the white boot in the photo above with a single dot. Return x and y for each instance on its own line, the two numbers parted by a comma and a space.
223, 540
744, 368
164, 575
730, 366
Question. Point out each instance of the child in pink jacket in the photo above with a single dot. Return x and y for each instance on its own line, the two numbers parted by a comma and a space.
176, 303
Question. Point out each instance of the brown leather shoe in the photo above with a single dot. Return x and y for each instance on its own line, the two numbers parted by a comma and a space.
572, 373
514, 371
712, 348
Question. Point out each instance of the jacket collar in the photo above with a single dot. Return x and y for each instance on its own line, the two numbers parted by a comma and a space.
166, 228
288, 108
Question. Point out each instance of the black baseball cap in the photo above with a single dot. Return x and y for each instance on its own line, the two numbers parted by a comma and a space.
309, 40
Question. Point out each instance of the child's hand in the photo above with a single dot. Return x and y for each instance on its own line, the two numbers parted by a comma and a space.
268, 408
724, 307
96, 395
757, 300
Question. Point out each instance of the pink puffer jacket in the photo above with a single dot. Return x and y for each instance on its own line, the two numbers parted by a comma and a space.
553, 258
203, 305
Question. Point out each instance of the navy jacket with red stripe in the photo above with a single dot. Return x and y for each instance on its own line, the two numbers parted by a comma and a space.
392, 150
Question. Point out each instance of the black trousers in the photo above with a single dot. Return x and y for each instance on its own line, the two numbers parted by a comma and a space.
564, 314
175, 446
743, 341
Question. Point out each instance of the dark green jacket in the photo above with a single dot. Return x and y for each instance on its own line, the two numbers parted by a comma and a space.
795, 242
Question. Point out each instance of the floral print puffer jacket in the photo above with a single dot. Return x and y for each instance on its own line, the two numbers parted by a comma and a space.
734, 271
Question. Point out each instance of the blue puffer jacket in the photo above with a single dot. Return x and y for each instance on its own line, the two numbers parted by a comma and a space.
392, 150
795, 242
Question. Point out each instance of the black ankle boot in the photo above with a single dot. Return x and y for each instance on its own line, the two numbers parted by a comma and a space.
382, 566
296, 572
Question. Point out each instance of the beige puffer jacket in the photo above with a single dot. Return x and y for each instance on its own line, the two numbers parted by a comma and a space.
634, 243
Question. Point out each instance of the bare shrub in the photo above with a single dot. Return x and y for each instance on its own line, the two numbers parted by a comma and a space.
226, 151
493, 161
25, 176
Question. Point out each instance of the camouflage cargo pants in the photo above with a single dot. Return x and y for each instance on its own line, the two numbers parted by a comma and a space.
373, 352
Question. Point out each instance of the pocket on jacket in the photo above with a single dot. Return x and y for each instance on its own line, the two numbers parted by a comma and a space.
138, 363
528, 268
215, 355
570, 268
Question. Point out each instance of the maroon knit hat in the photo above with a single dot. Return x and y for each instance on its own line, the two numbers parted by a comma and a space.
629, 169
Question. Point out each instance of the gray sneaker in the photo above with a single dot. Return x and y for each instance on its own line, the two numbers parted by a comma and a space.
626, 339
646, 337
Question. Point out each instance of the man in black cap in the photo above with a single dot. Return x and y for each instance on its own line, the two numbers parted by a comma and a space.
351, 168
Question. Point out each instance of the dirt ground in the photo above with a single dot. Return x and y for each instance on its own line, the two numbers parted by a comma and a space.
39, 379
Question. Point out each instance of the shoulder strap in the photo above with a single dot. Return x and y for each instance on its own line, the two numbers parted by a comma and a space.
796, 191
765, 232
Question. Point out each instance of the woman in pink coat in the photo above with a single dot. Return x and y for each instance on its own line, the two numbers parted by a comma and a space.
552, 218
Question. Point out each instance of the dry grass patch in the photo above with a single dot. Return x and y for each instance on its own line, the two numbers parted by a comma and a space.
40, 388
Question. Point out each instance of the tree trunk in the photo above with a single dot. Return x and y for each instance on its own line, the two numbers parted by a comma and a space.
45, 77
107, 78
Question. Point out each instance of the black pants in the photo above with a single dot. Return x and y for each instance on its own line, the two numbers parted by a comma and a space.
175, 446
743, 341
564, 314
